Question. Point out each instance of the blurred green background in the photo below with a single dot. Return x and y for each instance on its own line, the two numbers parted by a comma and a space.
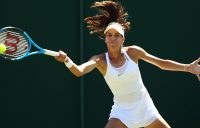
40, 92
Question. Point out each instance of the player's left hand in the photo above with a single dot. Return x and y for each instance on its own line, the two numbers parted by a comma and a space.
194, 68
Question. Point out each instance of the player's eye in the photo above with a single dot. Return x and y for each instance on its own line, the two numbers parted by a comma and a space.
117, 35
108, 35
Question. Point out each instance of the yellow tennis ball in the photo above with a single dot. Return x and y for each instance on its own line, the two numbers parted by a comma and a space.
2, 48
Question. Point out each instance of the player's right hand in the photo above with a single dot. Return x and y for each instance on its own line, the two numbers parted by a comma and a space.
62, 57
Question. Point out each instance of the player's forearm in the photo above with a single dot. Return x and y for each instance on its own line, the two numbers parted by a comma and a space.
174, 66
73, 67
79, 70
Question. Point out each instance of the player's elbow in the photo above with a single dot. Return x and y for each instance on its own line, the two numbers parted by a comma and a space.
76, 71
78, 74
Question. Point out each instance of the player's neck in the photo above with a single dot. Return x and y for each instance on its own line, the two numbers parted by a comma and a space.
114, 55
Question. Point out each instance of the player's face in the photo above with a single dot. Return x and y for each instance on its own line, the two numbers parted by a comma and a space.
113, 39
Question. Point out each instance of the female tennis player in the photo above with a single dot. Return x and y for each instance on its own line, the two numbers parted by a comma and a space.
133, 107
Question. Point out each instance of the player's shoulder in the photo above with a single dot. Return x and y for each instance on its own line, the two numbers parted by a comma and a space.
134, 49
135, 52
100, 60
98, 57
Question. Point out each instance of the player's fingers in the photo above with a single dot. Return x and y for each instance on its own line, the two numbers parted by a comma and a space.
198, 76
62, 57
61, 53
58, 58
197, 61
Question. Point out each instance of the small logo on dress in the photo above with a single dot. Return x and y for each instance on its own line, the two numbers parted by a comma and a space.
120, 74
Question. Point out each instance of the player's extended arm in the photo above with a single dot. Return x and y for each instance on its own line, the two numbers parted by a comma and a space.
170, 65
77, 70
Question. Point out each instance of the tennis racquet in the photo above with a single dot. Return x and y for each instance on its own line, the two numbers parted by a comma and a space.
18, 44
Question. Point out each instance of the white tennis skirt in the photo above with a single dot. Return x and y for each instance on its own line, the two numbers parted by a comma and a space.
139, 113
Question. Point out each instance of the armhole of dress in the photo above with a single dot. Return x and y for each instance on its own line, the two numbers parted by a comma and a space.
106, 54
127, 56
107, 64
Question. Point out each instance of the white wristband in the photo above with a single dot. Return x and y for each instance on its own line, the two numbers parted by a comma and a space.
69, 63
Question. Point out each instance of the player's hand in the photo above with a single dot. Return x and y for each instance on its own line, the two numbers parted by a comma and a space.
62, 57
194, 68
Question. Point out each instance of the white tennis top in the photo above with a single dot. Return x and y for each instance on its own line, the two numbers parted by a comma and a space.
125, 82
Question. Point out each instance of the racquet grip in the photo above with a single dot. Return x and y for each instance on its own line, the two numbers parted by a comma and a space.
50, 53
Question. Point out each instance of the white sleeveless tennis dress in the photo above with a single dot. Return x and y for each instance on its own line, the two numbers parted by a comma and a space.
132, 103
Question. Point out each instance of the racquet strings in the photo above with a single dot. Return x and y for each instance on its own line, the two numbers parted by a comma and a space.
18, 48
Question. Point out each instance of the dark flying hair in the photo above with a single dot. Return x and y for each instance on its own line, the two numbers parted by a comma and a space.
109, 11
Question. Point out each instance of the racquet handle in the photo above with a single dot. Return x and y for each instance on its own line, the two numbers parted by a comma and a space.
50, 53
